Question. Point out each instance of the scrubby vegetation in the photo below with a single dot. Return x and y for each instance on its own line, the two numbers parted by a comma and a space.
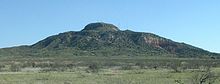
79, 70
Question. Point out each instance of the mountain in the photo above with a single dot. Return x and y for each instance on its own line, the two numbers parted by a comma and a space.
103, 39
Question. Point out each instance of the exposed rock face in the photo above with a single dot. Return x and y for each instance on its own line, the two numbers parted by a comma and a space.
153, 41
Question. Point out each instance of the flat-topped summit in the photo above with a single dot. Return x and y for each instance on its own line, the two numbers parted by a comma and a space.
100, 27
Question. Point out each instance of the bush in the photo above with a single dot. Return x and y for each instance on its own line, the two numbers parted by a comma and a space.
1, 67
15, 67
126, 67
204, 77
94, 68
141, 65
176, 68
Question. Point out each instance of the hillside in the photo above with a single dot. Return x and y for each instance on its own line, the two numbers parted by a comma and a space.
103, 39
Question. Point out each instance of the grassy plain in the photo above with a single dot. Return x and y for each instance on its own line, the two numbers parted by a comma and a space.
106, 76
110, 71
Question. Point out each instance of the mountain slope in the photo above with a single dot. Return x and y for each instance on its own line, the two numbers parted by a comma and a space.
103, 39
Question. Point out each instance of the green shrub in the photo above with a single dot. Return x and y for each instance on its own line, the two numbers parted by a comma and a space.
94, 68
141, 65
126, 67
15, 67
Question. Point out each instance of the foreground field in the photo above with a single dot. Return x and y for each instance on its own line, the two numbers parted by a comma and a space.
105, 76
104, 70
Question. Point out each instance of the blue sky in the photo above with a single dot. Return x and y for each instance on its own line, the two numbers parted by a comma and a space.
196, 22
